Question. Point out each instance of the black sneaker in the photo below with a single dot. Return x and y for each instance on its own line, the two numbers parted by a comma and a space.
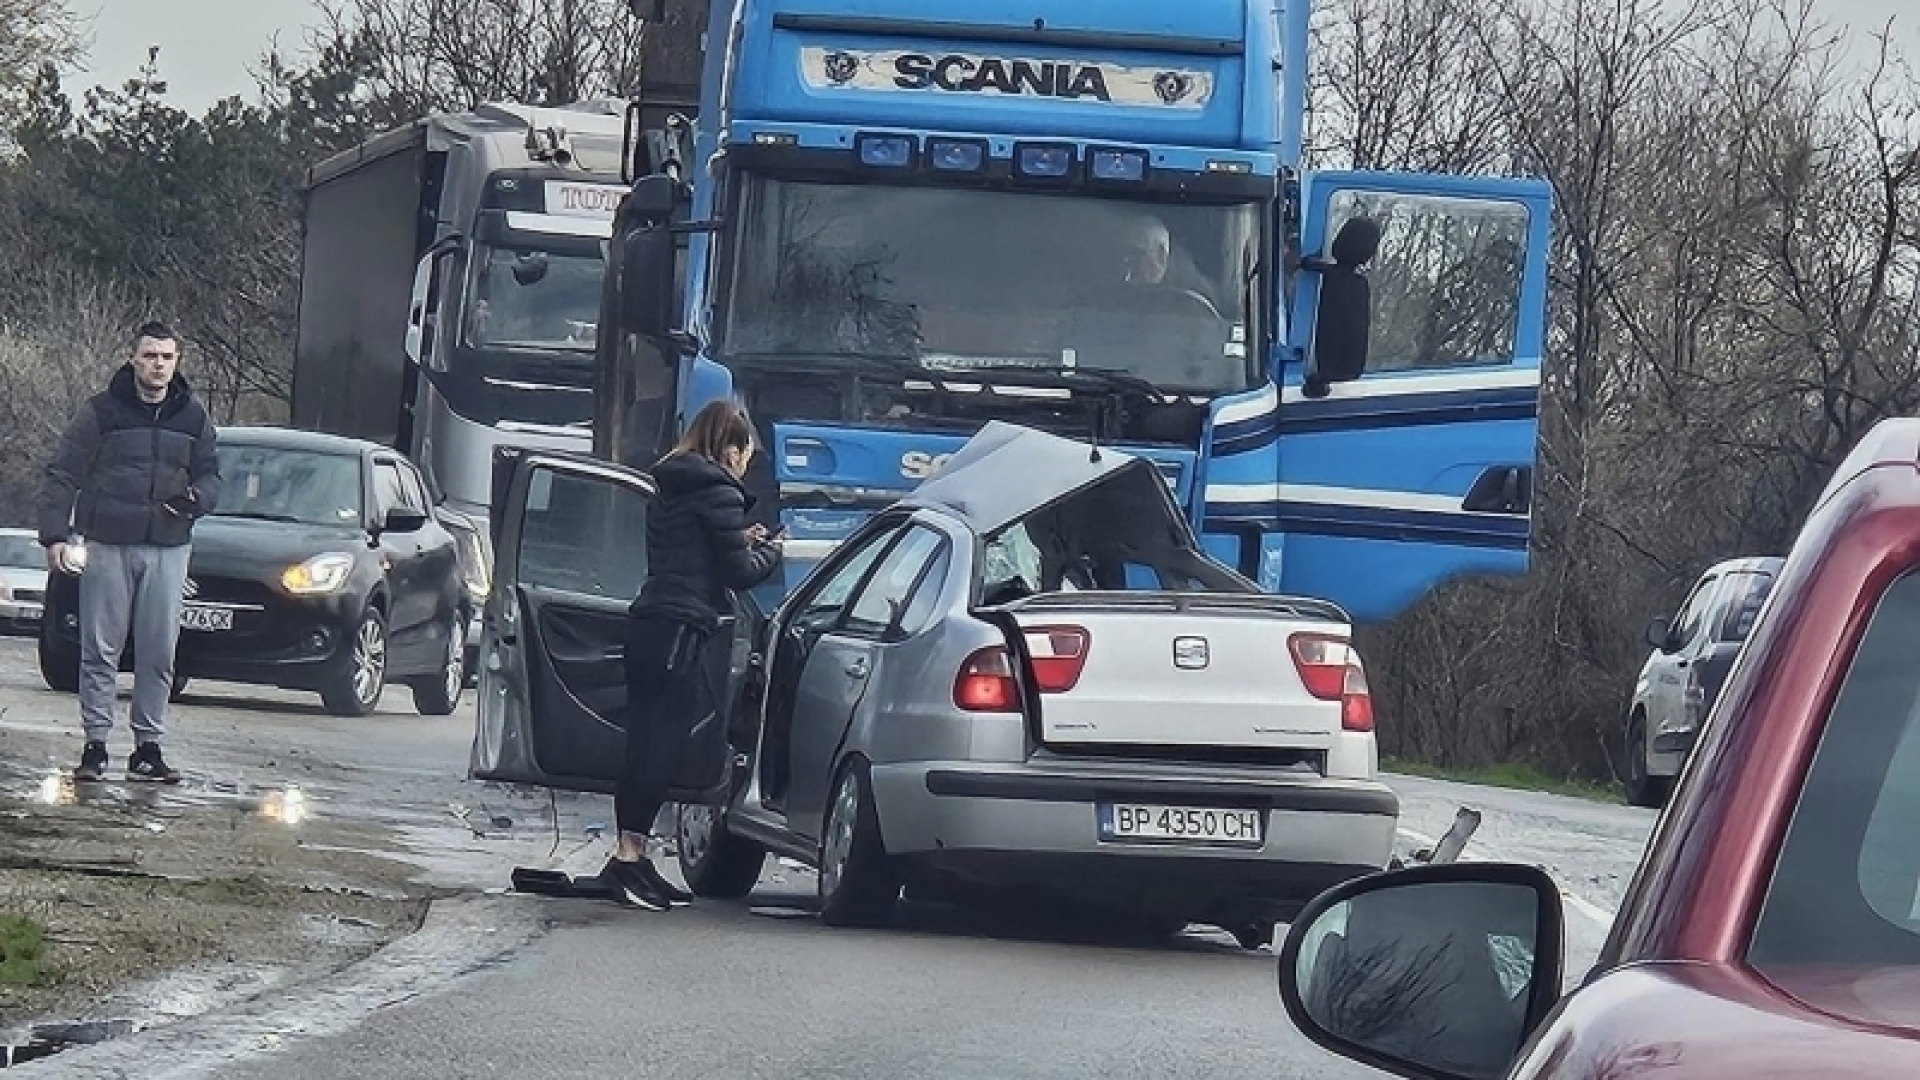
674, 894
93, 762
632, 886
147, 766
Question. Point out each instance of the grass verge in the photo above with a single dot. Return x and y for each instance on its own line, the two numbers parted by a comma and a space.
1519, 777
23, 946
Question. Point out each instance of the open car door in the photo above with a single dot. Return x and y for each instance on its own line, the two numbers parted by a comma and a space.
570, 543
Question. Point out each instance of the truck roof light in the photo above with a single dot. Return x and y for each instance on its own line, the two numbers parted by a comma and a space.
1117, 166
957, 155
884, 151
1044, 161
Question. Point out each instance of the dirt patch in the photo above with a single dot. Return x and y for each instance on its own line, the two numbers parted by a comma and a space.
128, 888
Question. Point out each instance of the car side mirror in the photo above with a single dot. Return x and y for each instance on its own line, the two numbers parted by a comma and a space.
1343, 315
1438, 972
1660, 634
402, 520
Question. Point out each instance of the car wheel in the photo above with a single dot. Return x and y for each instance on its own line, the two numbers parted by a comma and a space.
58, 666
715, 862
1643, 788
360, 676
180, 683
439, 695
858, 883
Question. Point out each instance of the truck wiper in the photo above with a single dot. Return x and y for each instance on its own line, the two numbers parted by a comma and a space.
892, 363
1119, 380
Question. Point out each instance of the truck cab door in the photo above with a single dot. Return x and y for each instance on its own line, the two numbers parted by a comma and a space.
571, 557
1411, 461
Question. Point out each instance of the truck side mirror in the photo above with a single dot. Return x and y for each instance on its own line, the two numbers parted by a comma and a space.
1343, 318
645, 250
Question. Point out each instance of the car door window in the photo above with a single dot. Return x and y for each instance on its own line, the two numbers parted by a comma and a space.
389, 491
884, 599
413, 489
823, 608
583, 533
1845, 890
923, 608
1687, 628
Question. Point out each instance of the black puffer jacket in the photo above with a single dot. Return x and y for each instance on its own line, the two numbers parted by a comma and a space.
122, 460
697, 543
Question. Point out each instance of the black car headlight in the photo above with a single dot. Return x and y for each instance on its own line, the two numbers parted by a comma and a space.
318, 575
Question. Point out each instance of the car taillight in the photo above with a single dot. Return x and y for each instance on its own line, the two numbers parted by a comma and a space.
985, 682
1059, 655
1330, 669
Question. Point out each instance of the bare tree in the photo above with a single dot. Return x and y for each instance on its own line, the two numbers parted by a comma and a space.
454, 54
34, 33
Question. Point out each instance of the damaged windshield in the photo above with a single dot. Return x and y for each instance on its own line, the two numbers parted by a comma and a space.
961, 280
1104, 537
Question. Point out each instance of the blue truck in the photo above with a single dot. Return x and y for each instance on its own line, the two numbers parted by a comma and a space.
888, 221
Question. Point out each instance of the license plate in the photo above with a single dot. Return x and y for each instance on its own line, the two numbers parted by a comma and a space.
1180, 825
206, 619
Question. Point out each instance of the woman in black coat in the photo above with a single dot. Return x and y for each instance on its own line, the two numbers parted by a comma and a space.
700, 547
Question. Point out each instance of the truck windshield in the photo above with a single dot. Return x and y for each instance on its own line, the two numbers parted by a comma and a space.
960, 280
533, 300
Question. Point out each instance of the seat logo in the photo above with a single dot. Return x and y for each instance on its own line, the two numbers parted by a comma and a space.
1190, 653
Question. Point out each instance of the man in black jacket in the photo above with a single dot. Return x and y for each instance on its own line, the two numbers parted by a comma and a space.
134, 470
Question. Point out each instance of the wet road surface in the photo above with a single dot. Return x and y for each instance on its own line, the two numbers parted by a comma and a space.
508, 985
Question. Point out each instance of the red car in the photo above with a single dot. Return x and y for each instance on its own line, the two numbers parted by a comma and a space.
1773, 927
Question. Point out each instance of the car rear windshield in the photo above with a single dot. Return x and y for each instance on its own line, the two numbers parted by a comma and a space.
21, 553
1846, 889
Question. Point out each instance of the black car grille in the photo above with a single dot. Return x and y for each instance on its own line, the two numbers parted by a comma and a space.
30, 596
205, 589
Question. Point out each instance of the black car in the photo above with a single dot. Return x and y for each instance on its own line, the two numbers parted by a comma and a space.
326, 567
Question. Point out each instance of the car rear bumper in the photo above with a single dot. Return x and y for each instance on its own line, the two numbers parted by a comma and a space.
1014, 823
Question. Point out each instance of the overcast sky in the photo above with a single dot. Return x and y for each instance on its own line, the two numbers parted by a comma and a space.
207, 46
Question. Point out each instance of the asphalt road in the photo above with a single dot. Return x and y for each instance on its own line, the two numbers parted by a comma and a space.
520, 986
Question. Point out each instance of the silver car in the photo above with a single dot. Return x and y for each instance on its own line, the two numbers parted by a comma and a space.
1025, 679
23, 580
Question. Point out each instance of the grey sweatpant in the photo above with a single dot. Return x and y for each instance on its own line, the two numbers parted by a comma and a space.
139, 588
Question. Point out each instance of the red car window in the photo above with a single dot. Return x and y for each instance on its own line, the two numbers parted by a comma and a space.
1846, 888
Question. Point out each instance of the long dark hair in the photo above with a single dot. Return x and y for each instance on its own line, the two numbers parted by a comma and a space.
719, 427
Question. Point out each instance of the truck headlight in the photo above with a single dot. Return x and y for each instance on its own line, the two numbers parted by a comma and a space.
320, 574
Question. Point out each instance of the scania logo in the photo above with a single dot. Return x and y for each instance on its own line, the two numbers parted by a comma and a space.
840, 67
1172, 86
919, 464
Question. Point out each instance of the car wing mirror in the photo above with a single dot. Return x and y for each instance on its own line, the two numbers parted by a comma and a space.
1440, 972
1660, 634
401, 520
